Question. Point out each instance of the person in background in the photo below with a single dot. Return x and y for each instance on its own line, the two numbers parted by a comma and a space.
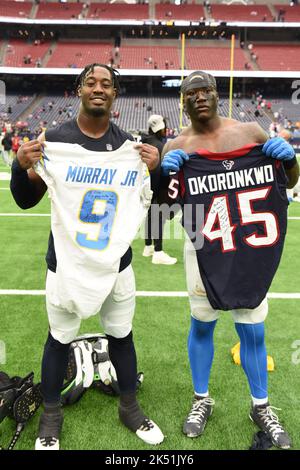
154, 225
7, 148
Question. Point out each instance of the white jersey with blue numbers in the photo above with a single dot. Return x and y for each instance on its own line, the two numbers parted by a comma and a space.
98, 202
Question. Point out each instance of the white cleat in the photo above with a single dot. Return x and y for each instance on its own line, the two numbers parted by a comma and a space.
150, 433
148, 251
160, 257
47, 443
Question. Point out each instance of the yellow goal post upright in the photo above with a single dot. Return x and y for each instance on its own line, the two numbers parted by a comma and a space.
182, 77
231, 74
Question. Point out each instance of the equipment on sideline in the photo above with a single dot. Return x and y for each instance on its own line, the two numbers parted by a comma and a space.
19, 399
89, 365
235, 352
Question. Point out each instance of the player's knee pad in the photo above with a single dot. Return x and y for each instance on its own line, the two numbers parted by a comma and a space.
124, 288
202, 311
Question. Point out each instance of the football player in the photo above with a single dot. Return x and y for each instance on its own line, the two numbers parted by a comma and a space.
73, 277
215, 156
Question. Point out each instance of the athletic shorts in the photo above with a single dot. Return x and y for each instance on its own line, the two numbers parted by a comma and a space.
116, 313
200, 306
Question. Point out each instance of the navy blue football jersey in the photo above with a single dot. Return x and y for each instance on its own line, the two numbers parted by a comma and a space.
235, 213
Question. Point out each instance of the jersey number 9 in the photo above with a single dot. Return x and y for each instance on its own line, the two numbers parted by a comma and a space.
97, 208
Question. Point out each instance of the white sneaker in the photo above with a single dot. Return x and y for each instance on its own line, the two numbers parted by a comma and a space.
47, 443
150, 433
49, 430
160, 257
148, 251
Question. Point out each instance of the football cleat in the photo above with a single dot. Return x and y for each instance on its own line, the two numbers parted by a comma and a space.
47, 443
150, 433
265, 418
195, 422
49, 430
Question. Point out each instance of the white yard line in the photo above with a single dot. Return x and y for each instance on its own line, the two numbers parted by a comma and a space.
4, 176
141, 293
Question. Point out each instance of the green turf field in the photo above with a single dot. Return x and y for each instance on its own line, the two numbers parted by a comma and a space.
160, 328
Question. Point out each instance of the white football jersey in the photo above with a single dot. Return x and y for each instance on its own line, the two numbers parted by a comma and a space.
98, 202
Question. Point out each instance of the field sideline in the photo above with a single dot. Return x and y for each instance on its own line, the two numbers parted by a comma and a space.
160, 328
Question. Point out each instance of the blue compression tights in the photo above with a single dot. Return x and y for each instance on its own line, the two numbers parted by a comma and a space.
253, 355
201, 353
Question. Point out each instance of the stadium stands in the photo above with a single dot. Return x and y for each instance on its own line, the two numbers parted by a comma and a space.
168, 12
290, 13
163, 11
59, 10
145, 57
134, 111
17, 104
116, 11
15, 9
241, 13
283, 57
78, 54
214, 58
287, 109
18, 50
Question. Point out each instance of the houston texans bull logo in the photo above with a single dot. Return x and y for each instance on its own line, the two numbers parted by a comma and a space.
228, 164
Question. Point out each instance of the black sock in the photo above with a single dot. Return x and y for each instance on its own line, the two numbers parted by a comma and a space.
52, 407
130, 413
54, 366
123, 357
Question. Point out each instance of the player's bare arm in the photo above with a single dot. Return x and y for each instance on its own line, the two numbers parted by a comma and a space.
256, 133
177, 143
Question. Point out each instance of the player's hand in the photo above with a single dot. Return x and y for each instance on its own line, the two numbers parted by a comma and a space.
278, 148
173, 161
29, 153
149, 154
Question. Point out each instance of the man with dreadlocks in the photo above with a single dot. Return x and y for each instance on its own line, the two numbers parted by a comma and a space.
96, 193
